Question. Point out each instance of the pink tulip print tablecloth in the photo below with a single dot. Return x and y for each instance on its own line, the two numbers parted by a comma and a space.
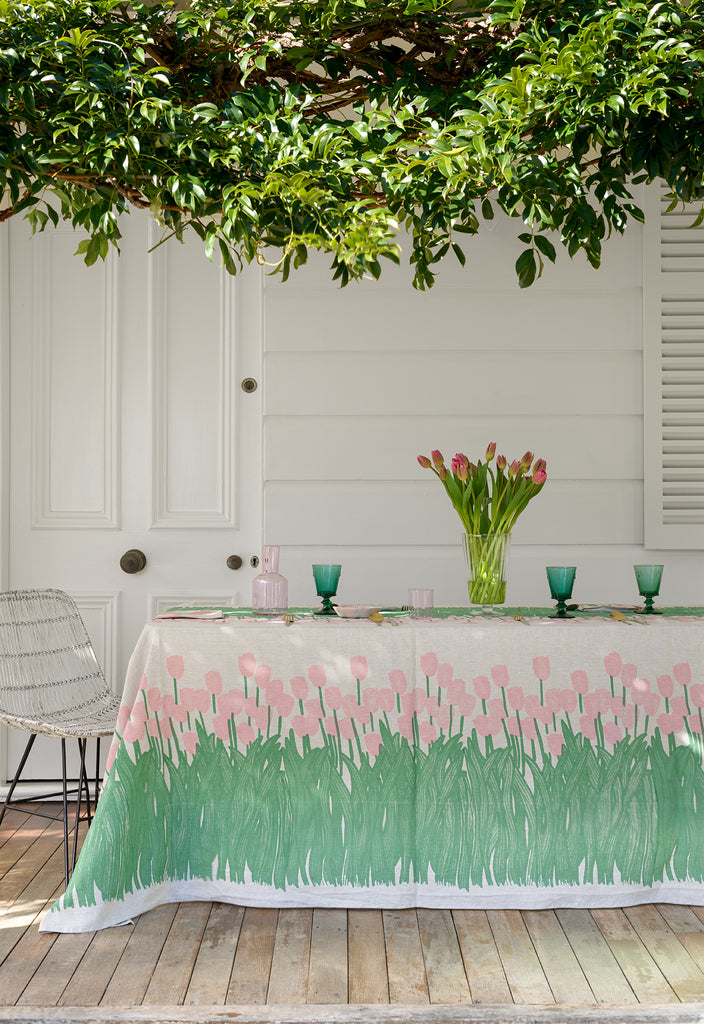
464, 762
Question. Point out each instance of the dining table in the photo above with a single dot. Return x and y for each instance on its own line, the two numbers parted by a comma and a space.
465, 760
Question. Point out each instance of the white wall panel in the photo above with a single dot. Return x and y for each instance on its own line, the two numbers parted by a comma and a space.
458, 317
607, 447
193, 366
365, 513
75, 412
425, 383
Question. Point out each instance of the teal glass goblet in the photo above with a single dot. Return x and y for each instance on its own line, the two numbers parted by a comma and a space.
561, 581
648, 578
326, 579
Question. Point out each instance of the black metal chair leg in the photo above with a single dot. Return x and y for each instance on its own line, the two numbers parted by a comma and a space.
82, 781
16, 779
97, 771
65, 806
83, 750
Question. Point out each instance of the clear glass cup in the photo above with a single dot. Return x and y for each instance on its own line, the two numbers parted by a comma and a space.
420, 601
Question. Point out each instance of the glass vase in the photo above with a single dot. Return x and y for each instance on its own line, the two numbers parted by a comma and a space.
486, 556
270, 588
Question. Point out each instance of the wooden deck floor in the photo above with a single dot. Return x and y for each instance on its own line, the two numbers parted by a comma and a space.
633, 964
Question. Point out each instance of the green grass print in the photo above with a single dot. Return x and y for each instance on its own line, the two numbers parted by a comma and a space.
459, 810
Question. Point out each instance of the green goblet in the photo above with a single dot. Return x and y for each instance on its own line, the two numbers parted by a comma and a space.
326, 579
648, 578
561, 581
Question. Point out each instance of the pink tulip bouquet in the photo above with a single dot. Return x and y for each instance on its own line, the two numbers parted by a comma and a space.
488, 499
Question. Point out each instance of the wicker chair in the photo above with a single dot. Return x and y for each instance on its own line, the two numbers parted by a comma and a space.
51, 683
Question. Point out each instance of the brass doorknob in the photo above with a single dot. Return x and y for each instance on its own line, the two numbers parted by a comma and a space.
133, 561
234, 562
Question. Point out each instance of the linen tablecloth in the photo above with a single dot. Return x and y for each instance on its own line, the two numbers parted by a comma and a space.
478, 762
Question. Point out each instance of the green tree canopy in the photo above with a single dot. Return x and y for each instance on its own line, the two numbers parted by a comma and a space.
286, 125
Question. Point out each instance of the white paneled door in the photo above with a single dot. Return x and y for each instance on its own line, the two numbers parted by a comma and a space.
131, 430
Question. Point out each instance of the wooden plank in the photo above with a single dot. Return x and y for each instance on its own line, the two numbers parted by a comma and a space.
444, 968
35, 831
213, 967
29, 864
327, 980
668, 952
288, 985
34, 900
368, 979
687, 927
55, 970
255, 1014
524, 973
22, 946
173, 969
634, 959
92, 976
252, 967
11, 825
404, 958
560, 966
482, 963
138, 962
606, 979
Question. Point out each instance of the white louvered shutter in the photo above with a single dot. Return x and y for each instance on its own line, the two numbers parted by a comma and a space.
673, 332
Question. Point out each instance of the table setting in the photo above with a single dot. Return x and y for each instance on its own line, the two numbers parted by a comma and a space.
403, 755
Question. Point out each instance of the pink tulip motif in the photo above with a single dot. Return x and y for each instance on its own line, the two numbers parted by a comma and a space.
499, 673
427, 732
299, 687
398, 681
174, 666
682, 673
333, 698
154, 698
262, 675
429, 664
482, 687
358, 668
133, 731
316, 674
629, 673
221, 727
541, 667
665, 686
245, 733
580, 681
444, 675
612, 664
190, 742
372, 742
247, 665
555, 742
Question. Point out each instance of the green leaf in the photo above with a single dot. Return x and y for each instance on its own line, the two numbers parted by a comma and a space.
526, 268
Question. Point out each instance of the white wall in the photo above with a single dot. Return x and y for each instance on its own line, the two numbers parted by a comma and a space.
358, 381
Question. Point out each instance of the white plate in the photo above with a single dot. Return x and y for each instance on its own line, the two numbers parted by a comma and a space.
356, 611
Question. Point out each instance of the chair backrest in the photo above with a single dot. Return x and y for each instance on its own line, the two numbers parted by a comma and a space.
49, 673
